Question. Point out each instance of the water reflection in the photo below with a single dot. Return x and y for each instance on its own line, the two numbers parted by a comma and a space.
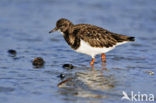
91, 83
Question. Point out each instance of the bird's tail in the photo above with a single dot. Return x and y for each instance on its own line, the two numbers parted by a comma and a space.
131, 38
122, 38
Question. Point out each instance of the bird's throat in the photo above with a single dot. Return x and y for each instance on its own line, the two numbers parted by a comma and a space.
71, 39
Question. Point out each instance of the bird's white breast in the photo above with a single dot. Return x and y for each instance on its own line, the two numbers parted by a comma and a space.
92, 51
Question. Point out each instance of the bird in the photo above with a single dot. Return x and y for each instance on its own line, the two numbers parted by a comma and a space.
90, 39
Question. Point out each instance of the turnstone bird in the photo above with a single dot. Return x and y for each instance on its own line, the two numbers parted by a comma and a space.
90, 39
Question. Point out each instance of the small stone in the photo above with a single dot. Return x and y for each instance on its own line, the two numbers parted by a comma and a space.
38, 62
12, 52
150, 72
61, 76
68, 66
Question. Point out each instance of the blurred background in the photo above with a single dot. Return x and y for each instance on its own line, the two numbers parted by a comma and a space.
24, 27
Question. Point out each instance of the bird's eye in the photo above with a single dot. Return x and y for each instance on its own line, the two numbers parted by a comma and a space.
60, 25
65, 25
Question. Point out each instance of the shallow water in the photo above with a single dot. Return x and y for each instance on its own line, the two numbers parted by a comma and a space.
24, 26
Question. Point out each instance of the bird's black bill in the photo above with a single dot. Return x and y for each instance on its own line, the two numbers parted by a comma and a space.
53, 30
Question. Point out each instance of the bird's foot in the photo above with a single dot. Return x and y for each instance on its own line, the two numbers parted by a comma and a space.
103, 57
92, 62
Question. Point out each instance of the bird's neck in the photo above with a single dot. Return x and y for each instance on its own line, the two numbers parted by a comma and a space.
71, 38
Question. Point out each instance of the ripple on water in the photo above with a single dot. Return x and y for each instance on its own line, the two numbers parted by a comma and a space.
6, 89
87, 84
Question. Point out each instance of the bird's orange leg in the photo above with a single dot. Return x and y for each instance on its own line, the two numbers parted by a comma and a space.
92, 62
103, 57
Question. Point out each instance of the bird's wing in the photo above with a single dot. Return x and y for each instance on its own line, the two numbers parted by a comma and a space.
96, 36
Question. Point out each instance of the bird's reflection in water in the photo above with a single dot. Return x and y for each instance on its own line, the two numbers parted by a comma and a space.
91, 83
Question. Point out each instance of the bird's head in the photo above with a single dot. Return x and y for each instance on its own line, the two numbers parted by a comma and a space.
62, 25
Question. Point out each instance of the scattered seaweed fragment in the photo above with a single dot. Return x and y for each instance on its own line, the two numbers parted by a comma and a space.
38, 62
12, 52
68, 66
149, 72
64, 81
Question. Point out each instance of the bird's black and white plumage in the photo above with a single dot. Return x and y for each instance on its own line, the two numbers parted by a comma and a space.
89, 39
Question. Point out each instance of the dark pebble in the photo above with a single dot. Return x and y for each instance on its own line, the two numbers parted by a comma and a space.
38, 62
12, 52
68, 66
61, 76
